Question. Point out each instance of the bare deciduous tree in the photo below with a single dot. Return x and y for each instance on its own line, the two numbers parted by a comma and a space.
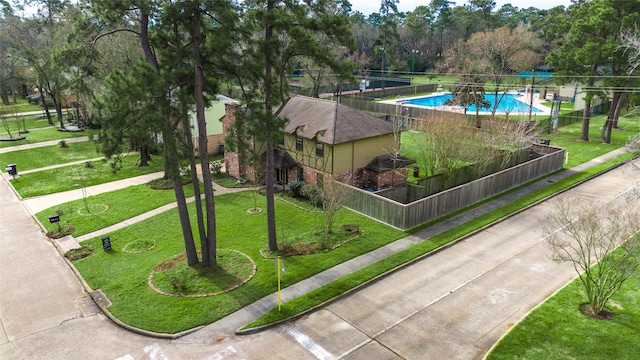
586, 235
333, 197
447, 142
631, 43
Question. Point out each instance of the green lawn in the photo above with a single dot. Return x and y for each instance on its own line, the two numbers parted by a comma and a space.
36, 136
16, 123
50, 155
567, 137
558, 330
123, 276
109, 208
76, 176
21, 106
445, 80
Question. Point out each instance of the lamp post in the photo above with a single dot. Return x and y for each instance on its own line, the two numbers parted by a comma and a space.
413, 55
382, 72
533, 82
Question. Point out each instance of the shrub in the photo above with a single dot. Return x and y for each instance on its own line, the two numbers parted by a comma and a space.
216, 166
178, 279
63, 143
313, 194
295, 188
79, 253
185, 170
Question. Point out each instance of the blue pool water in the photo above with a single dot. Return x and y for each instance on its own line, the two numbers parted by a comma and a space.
508, 103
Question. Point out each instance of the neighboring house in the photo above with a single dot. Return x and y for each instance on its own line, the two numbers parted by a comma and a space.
325, 140
213, 116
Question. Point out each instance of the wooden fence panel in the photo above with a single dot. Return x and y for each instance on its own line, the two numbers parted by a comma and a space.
407, 216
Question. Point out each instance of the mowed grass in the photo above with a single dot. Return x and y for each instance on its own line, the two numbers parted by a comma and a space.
40, 135
16, 124
37, 158
78, 176
567, 137
109, 208
558, 330
123, 276
22, 105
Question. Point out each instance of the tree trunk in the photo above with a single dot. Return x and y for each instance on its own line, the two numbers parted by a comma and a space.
586, 116
613, 114
45, 106
3, 93
623, 103
271, 216
172, 167
612, 109
173, 170
144, 155
194, 173
209, 248
58, 104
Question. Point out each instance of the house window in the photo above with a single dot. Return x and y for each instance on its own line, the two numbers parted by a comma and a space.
319, 149
282, 176
300, 174
299, 143
281, 140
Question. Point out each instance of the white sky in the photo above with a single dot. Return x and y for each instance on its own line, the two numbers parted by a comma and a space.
370, 6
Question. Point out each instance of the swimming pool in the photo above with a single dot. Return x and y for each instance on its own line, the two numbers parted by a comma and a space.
507, 103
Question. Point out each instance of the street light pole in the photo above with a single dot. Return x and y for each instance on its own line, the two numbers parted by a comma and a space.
533, 82
382, 72
413, 53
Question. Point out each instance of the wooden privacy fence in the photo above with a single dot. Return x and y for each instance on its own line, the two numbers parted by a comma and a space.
407, 216
434, 184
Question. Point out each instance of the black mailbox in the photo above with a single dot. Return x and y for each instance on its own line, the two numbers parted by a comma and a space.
11, 169
54, 219
106, 243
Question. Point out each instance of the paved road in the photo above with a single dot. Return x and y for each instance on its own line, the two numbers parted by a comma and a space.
454, 304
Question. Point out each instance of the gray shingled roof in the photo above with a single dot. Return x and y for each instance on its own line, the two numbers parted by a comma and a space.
388, 162
316, 118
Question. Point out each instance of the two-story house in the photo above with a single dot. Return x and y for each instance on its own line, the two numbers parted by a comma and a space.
324, 140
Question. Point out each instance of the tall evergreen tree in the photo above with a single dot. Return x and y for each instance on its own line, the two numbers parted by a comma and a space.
591, 35
269, 48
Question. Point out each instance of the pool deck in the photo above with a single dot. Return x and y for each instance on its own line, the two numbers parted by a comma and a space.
523, 98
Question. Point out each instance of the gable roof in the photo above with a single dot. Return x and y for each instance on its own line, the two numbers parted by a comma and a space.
316, 118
